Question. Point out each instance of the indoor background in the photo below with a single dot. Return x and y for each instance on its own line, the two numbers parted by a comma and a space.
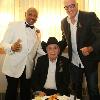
51, 12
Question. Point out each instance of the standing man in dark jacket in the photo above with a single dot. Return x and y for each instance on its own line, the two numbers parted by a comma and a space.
81, 30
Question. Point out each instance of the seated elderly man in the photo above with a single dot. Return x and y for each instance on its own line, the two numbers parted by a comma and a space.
51, 74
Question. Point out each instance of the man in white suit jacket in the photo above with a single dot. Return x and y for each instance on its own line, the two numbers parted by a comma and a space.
21, 42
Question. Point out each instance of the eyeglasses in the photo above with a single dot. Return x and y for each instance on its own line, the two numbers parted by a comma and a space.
69, 6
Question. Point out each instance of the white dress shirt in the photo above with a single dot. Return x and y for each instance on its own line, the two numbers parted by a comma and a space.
50, 81
75, 56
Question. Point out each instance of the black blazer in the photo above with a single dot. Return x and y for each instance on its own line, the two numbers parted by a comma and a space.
62, 75
88, 34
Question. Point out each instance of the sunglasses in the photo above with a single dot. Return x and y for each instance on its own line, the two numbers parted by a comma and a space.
70, 6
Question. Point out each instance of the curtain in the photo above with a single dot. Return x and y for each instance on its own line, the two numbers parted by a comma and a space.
92, 5
51, 12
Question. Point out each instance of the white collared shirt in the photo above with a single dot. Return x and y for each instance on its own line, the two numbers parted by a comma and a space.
75, 56
50, 81
31, 42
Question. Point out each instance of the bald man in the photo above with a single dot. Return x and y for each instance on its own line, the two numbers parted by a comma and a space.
81, 30
21, 42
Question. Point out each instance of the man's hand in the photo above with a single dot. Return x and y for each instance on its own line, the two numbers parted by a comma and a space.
38, 33
86, 50
42, 94
17, 46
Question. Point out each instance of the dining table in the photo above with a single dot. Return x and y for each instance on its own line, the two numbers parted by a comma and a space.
64, 97
47, 98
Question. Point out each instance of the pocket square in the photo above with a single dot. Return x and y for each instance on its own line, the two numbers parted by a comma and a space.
61, 69
79, 25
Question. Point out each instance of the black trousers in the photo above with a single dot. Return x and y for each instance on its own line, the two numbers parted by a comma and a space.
20, 84
76, 74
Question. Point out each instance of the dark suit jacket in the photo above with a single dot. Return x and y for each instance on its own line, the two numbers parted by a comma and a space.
62, 74
88, 34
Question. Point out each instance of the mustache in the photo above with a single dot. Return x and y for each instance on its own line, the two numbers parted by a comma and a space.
34, 19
